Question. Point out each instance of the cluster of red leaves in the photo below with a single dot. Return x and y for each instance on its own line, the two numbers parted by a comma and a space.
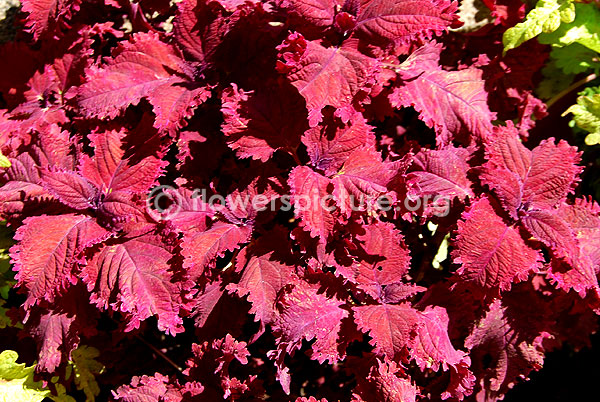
102, 100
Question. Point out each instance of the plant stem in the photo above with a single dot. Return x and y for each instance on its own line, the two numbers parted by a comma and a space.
158, 352
571, 88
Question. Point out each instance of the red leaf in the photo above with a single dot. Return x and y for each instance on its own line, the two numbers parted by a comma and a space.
145, 389
392, 327
262, 279
331, 143
70, 188
46, 15
310, 193
201, 248
47, 251
361, 180
142, 68
382, 259
258, 124
521, 178
452, 102
441, 173
400, 21
433, 347
492, 254
512, 350
111, 171
326, 76
307, 315
133, 277
385, 383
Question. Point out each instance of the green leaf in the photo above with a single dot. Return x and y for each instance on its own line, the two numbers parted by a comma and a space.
555, 81
6, 274
584, 29
17, 385
586, 114
16, 381
4, 162
575, 59
545, 17
85, 367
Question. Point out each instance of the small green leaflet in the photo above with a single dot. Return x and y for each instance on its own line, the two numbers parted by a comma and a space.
575, 59
545, 17
85, 367
4, 162
586, 114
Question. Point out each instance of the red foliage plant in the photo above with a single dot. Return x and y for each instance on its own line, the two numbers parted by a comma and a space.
289, 101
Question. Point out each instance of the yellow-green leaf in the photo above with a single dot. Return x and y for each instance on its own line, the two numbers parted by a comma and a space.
545, 17
17, 385
584, 29
4, 162
586, 114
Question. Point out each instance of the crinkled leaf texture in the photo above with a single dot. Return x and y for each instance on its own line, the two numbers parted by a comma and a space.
492, 254
452, 102
147, 68
524, 179
134, 277
333, 76
49, 248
